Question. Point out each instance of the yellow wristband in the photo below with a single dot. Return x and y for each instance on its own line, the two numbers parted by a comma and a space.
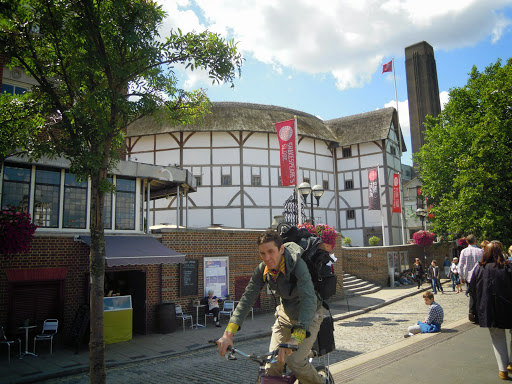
299, 335
232, 327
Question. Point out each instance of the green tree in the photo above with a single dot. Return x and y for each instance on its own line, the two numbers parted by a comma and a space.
465, 165
100, 65
21, 122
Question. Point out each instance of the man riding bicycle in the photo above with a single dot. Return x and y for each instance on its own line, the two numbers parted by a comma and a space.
299, 314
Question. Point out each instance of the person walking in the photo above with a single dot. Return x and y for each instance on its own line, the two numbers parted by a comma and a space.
454, 275
418, 271
468, 258
298, 315
490, 290
446, 267
433, 273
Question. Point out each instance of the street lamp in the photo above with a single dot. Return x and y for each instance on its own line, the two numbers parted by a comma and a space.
317, 191
421, 213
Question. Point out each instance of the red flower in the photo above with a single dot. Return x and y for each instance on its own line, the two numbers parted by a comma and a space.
15, 235
424, 238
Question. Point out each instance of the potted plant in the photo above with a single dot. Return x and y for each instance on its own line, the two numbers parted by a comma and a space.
374, 240
347, 241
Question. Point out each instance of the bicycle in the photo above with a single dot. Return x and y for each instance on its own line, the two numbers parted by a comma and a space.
271, 357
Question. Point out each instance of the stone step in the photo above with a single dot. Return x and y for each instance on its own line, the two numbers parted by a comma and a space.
354, 286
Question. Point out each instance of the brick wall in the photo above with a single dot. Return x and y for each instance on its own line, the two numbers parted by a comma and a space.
356, 260
162, 281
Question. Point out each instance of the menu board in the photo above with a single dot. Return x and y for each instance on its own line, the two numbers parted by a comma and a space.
188, 278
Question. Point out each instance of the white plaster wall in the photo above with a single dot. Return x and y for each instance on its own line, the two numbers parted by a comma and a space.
226, 156
372, 161
324, 163
356, 235
258, 194
196, 156
348, 163
280, 195
306, 161
165, 141
229, 217
144, 157
144, 143
258, 140
322, 149
352, 198
257, 218
274, 158
201, 198
199, 218
197, 139
224, 139
255, 156
168, 157
370, 148
223, 196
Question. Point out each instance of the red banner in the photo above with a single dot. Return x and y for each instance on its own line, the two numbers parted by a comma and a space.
373, 189
396, 194
288, 152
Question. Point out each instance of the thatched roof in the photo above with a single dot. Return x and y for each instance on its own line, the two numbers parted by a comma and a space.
230, 116
364, 127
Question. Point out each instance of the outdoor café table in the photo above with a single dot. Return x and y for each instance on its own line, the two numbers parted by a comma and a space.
26, 328
197, 325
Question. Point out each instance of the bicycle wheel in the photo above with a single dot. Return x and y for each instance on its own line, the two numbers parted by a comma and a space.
324, 372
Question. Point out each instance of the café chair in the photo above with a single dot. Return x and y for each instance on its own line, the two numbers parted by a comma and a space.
227, 308
183, 316
49, 330
3, 340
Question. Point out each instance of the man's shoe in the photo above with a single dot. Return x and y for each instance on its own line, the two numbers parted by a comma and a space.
217, 324
503, 375
509, 367
407, 335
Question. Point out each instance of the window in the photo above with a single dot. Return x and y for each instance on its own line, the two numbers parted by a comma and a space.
16, 187
198, 180
392, 149
325, 184
13, 90
347, 152
255, 180
351, 214
226, 180
75, 202
349, 184
107, 208
279, 181
125, 203
47, 196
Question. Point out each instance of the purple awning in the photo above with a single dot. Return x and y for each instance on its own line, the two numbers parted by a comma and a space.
132, 250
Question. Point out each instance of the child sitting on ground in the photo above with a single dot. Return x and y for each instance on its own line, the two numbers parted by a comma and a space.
434, 318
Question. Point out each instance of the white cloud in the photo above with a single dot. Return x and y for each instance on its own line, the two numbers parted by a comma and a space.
346, 38
444, 97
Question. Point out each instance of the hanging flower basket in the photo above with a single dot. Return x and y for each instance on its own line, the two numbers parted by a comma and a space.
424, 238
462, 242
16, 231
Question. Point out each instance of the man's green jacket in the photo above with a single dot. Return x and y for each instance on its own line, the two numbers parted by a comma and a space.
298, 297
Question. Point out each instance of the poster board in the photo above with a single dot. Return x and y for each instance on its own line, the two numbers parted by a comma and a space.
216, 273
188, 278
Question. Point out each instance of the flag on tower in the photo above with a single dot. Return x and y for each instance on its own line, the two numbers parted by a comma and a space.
388, 67
287, 151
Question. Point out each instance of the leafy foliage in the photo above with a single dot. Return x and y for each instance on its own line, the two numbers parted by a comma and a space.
21, 123
374, 240
465, 165
423, 238
16, 231
347, 241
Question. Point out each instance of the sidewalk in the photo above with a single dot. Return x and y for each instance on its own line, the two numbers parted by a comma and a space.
64, 362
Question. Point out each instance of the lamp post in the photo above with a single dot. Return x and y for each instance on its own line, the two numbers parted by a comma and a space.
317, 191
421, 213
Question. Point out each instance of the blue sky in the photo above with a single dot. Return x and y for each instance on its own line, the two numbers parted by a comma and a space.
324, 57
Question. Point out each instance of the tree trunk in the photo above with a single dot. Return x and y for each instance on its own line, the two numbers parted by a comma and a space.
97, 270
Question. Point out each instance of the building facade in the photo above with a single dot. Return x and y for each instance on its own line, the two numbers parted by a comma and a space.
234, 156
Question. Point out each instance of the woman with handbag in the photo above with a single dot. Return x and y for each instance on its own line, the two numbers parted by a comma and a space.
490, 292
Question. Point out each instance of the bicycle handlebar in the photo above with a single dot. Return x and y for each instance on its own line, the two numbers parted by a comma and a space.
268, 357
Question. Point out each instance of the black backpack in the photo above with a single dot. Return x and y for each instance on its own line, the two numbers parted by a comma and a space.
324, 280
